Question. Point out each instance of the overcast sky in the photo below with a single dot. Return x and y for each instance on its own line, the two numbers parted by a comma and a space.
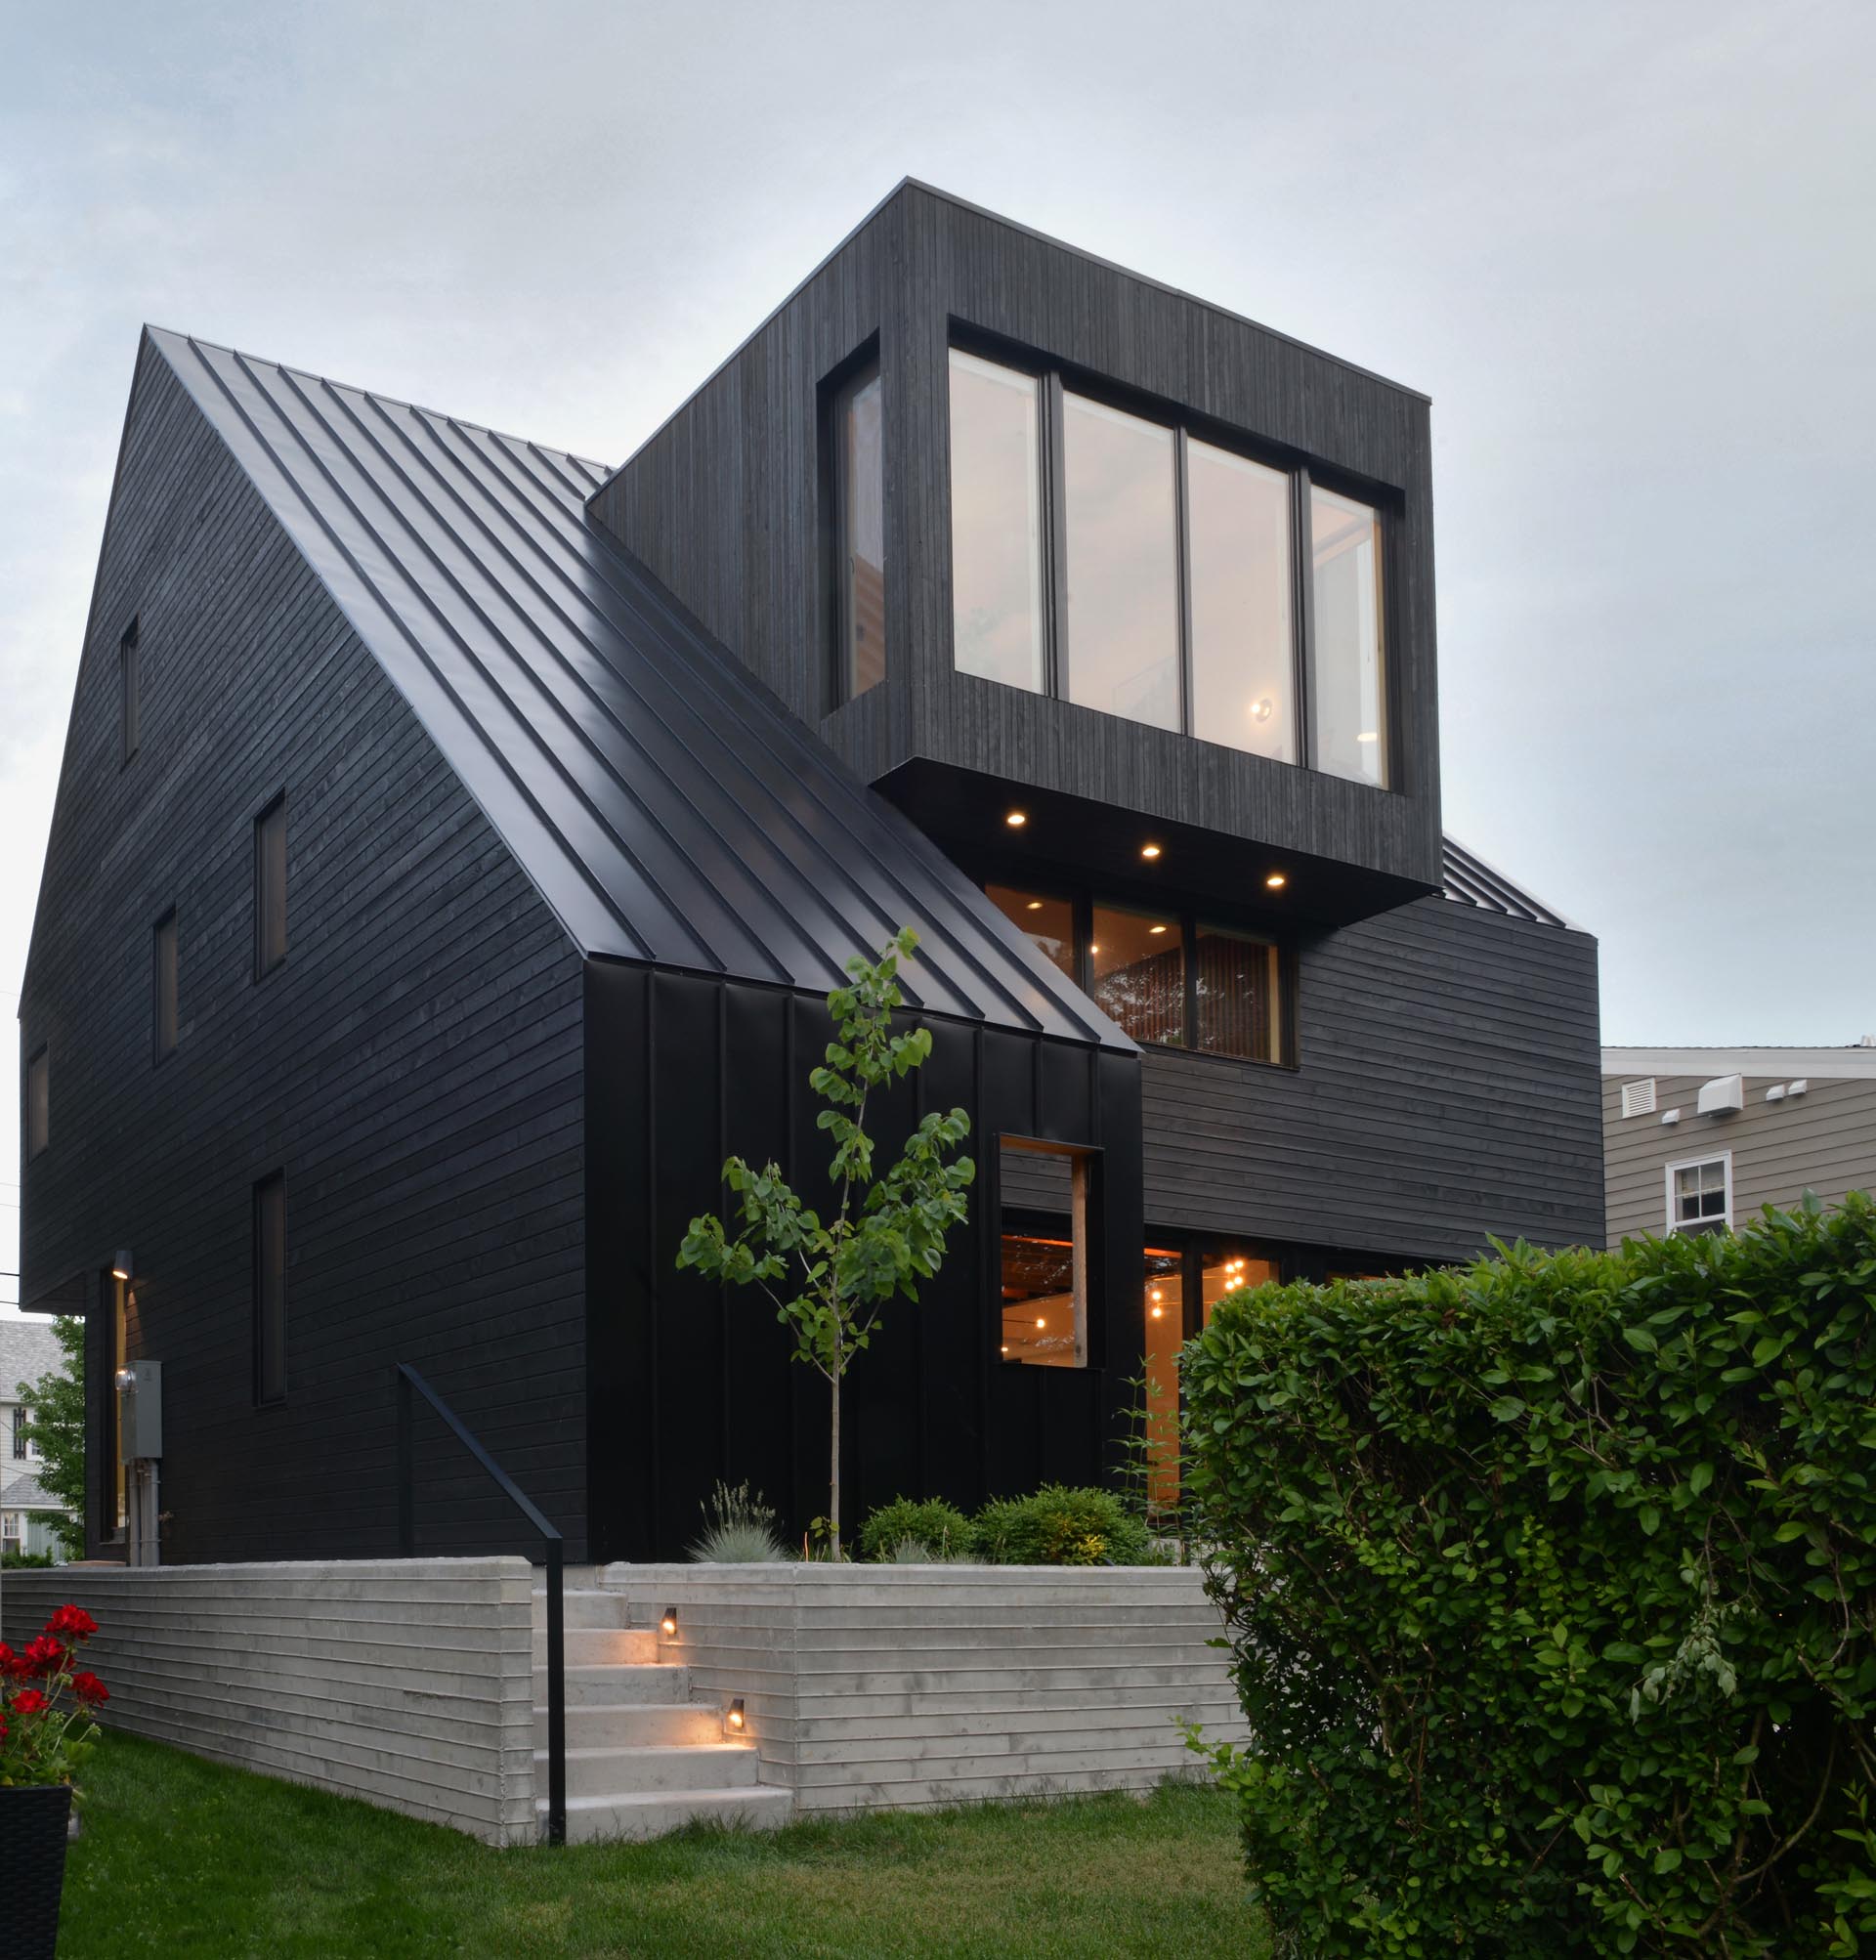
1628, 250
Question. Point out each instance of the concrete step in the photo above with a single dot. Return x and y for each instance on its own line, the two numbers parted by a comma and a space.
590, 1819
585, 1608
641, 1772
600, 1686
601, 1647
634, 1725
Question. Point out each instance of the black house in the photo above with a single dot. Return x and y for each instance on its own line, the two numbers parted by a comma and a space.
456, 842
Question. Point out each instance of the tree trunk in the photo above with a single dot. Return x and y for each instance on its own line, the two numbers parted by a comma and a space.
833, 1470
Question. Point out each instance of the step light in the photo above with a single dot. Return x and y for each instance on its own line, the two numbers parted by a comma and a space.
667, 1623
735, 1713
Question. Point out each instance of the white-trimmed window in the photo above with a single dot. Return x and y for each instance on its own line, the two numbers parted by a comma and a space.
1700, 1194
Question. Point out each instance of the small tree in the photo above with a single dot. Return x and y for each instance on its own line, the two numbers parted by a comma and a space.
829, 1280
55, 1405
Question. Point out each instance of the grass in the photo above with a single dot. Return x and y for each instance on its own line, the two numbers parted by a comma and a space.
183, 1857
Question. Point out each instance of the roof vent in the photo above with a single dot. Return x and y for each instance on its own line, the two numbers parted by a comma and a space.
1721, 1095
1638, 1097
1866, 1041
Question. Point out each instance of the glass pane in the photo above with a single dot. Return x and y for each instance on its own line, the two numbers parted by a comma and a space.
1122, 563
1351, 735
1039, 1299
38, 1102
1239, 1009
1165, 1331
1238, 536
1221, 1273
1049, 922
863, 562
996, 522
1139, 973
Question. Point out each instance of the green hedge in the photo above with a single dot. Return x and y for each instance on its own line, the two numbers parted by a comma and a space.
1550, 1585
1061, 1526
941, 1528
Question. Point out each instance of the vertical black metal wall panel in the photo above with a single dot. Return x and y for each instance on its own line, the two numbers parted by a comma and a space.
413, 1068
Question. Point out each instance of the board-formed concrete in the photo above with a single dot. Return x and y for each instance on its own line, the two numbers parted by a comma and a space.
408, 1682
873, 1687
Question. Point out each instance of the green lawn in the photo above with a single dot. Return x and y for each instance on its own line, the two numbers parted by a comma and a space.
182, 1858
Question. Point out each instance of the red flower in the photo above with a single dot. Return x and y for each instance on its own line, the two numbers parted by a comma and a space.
73, 1623
28, 1702
88, 1687
10, 1662
42, 1656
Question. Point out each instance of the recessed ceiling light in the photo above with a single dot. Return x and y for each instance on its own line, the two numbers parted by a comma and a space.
1149, 850
1017, 819
1276, 881
1035, 905
1156, 928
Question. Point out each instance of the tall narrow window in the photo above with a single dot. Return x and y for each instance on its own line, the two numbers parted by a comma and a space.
1700, 1195
1240, 1007
1045, 1270
21, 1428
1346, 684
119, 1361
1123, 563
997, 522
860, 526
270, 1288
163, 987
269, 888
130, 685
1137, 960
1165, 1332
1243, 642
38, 1102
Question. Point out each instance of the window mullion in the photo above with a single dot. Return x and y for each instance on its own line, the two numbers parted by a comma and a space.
1189, 932
1303, 640
1056, 532
1182, 530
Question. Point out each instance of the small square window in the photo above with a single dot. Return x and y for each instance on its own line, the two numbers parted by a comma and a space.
269, 888
38, 1102
1700, 1195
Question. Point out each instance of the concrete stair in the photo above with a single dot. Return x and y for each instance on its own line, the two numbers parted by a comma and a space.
643, 1756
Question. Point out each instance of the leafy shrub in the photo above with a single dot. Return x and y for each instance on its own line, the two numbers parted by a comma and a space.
1060, 1526
941, 1529
20, 1561
1552, 1592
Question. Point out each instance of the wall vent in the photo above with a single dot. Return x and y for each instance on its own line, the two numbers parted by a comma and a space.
1724, 1093
1638, 1097
1669, 1116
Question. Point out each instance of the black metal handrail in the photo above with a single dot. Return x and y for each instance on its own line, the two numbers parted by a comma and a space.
408, 1379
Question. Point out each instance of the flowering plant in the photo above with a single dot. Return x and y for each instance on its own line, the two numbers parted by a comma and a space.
47, 1701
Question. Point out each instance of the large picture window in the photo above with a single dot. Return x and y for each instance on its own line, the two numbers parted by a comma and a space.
1123, 562
1171, 979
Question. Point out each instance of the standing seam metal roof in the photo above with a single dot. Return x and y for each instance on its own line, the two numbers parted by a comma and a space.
668, 808
1470, 880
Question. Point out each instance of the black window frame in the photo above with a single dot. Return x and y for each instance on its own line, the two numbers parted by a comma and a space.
130, 692
1060, 377
40, 1058
1081, 901
836, 388
265, 1190
1088, 1169
160, 1051
263, 966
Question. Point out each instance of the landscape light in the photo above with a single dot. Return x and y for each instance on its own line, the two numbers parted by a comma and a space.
667, 1626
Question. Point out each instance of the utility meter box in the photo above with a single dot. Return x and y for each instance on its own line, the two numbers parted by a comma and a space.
139, 1411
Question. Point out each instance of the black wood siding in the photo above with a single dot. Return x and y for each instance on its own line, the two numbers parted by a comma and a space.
725, 504
693, 1382
415, 1069
1447, 1089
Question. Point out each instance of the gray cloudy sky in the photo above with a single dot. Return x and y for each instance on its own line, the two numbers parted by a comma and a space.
1629, 250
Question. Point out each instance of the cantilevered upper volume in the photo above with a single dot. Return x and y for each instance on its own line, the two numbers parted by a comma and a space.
668, 809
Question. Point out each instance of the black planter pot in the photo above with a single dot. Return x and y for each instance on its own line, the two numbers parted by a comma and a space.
32, 1869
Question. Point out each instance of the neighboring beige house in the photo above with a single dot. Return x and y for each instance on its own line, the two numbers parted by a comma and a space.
29, 1349
1702, 1139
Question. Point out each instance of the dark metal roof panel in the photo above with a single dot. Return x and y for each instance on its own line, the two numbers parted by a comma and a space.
1470, 880
668, 807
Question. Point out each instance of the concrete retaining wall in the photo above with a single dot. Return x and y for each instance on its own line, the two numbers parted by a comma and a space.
405, 1682
908, 1685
